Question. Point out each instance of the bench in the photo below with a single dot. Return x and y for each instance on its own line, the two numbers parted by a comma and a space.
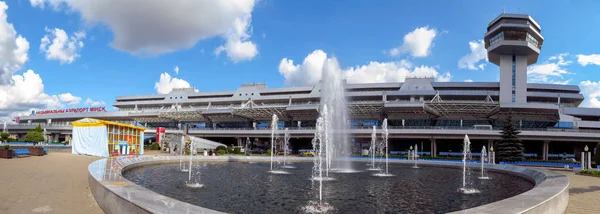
21, 152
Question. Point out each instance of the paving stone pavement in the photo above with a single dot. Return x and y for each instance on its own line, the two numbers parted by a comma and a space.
584, 194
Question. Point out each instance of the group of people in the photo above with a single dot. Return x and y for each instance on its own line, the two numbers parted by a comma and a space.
209, 153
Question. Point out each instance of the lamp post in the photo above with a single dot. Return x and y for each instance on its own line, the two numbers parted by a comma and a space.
586, 152
491, 156
410, 153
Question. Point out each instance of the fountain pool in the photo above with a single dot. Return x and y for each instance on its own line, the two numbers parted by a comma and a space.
237, 187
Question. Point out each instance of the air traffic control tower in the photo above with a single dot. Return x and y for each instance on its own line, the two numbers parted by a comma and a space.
513, 41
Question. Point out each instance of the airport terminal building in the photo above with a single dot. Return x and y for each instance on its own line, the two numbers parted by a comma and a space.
434, 115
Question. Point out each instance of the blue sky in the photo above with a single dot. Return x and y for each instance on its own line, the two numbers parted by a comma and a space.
109, 58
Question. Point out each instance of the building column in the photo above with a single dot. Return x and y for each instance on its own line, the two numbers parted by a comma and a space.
545, 149
239, 141
433, 148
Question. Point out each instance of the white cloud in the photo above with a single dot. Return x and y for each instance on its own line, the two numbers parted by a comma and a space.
90, 102
237, 45
157, 27
176, 69
584, 60
306, 74
20, 94
166, 84
468, 80
591, 92
311, 70
446, 77
59, 46
551, 71
69, 98
477, 54
24, 93
417, 43
13, 48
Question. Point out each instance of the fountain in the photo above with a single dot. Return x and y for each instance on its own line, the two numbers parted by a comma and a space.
181, 154
332, 95
246, 146
373, 149
286, 140
467, 185
320, 158
385, 143
274, 128
483, 157
416, 156
193, 178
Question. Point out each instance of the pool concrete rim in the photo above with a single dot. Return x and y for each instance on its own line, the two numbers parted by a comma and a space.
116, 194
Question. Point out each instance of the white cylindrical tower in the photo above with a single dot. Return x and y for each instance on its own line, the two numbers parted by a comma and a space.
513, 41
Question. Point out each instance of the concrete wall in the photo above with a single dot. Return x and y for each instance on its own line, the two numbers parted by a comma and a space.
115, 194
521, 80
505, 79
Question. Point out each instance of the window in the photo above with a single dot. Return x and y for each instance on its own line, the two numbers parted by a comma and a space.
180, 97
497, 38
252, 94
514, 76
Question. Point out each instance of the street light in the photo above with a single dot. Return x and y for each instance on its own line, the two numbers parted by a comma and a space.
586, 148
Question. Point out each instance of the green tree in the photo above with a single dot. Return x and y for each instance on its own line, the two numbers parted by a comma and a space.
34, 136
4, 136
38, 129
510, 148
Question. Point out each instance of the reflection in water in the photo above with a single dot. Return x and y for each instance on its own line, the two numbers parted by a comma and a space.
240, 187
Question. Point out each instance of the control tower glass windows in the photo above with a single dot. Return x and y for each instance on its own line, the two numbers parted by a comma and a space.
533, 41
514, 74
514, 36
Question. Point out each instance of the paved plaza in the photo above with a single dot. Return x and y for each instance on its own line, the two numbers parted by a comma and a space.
57, 183
584, 193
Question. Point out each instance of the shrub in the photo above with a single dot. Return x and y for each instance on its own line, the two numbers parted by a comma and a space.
221, 148
591, 172
10, 139
154, 146
268, 151
221, 151
6, 147
237, 150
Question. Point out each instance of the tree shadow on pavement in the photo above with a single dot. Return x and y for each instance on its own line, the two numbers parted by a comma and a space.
574, 191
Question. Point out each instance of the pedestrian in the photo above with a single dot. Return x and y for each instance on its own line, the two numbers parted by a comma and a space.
205, 153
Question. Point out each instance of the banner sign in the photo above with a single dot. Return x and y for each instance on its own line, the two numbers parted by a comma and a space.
160, 131
69, 110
